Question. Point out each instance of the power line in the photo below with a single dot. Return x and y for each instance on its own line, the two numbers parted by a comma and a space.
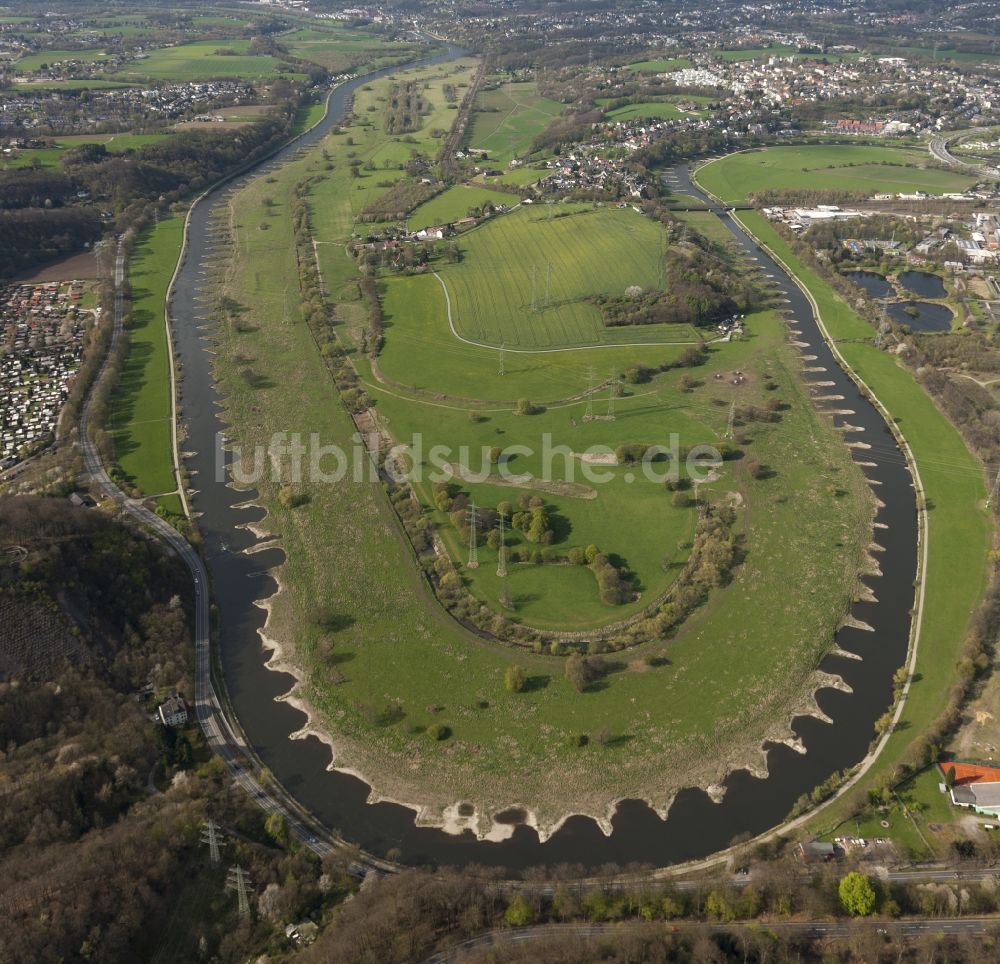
237, 880
502, 554
210, 835
501, 370
473, 539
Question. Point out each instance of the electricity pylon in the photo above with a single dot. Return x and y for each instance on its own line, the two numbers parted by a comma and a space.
237, 880
211, 836
473, 539
502, 553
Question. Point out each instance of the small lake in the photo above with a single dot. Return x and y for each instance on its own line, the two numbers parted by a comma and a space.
928, 317
872, 282
923, 284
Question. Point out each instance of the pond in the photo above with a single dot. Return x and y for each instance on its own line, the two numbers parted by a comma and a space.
928, 317
872, 282
923, 284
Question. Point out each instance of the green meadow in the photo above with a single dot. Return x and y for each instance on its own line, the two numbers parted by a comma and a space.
507, 120
456, 203
390, 642
837, 167
202, 61
140, 419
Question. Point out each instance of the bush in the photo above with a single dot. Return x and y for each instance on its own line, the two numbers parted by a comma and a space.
438, 731
515, 679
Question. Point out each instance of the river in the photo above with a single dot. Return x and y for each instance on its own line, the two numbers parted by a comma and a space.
695, 826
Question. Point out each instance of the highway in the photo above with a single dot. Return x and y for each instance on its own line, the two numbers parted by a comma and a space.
208, 708
938, 147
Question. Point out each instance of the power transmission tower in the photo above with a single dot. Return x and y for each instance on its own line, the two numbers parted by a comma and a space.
237, 880
473, 539
549, 205
589, 413
732, 419
501, 370
502, 554
995, 492
613, 391
548, 282
534, 288
211, 836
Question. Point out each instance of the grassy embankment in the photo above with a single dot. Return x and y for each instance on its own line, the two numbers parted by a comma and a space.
140, 417
369, 634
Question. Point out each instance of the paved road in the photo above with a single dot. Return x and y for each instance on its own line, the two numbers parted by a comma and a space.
821, 929
938, 147
208, 708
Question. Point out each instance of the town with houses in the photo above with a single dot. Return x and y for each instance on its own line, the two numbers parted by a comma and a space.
42, 328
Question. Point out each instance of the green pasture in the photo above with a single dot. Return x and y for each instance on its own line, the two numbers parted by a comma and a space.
34, 62
455, 203
844, 167
652, 110
753, 646
508, 119
515, 261
199, 61
49, 156
140, 418
659, 65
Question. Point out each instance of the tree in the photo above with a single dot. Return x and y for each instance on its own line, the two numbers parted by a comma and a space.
275, 826
519, 912
576, 672
506, 597
514, 678
857, 895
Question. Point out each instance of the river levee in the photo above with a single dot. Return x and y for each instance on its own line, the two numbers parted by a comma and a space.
695, 826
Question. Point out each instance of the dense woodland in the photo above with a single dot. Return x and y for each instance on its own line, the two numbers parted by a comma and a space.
100, 807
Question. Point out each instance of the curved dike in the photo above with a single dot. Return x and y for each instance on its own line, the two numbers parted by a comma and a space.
695, 826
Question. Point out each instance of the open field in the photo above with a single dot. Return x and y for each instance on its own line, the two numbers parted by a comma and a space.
755, 53
140, 414
590, 252
653, 110
33, 62
82, 84
959, 526
455, 203
340, 49
49, 156
752, 646
508, 119
835, 167
200, 61
659, 65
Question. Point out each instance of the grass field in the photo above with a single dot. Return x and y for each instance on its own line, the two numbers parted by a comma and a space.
508, 120
660, 65
33, 62
140, 416
81, 84
590, 252
959, 526
835, 167
49, 156
455, 203
753, 646
654, 110
755, 53
199, 61
340, 49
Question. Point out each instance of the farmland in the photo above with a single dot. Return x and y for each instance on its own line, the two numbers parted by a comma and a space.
33, 62
454, 204
590, 252
659, 65
507, 120
203, 61
140, 420
840, 167
752, 645
339, 49
653, 110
